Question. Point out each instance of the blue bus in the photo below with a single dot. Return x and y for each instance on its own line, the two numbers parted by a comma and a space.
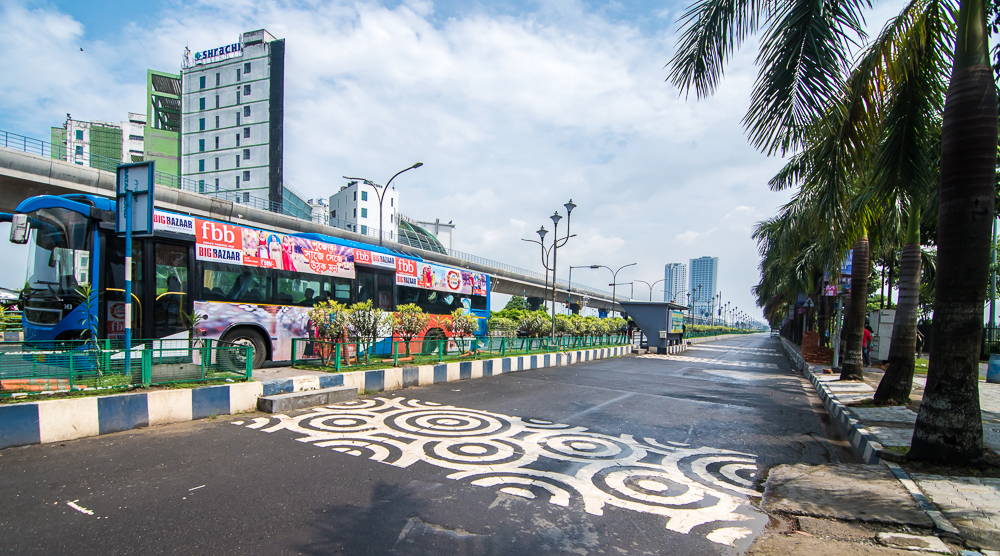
248, 286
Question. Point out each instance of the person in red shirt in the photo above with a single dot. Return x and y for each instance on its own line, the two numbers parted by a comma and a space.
866, 343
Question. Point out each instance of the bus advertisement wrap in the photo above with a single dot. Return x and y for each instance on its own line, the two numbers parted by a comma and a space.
440, 278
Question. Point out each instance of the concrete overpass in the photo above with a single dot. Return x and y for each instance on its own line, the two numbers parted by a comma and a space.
23, 175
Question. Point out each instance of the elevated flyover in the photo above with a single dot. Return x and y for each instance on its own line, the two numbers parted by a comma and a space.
25, 174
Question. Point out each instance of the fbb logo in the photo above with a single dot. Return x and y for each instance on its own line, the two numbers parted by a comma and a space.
406, 267
362, 257
218, 234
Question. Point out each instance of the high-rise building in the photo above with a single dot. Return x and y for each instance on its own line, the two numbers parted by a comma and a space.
96, 144
675, 283
162, 133
232, 120
355, 207
134, 138
704, 273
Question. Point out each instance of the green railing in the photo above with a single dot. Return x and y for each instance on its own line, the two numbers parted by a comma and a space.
394, 352
32, 370
716, 331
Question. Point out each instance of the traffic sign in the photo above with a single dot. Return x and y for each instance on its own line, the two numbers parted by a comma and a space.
809, 302
136, 179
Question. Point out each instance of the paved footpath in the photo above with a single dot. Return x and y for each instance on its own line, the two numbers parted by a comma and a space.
972, 504
633, 455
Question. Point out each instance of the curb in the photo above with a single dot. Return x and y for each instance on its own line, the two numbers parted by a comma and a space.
866, 444
47, 421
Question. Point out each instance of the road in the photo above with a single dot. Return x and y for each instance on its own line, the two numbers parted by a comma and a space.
634, 455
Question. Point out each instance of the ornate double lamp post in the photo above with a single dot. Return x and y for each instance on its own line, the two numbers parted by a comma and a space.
557, 242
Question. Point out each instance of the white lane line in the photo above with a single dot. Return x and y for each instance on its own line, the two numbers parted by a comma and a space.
80, 509
196, 488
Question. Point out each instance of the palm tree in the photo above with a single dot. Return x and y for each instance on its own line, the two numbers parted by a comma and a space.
802, 60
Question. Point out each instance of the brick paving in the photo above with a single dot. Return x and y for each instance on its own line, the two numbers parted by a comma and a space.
971, 503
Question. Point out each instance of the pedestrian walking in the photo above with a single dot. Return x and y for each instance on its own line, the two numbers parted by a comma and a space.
866, 342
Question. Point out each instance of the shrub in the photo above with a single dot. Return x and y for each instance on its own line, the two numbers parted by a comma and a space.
408, 321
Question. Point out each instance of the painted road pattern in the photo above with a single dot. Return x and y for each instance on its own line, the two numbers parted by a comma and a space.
648, 454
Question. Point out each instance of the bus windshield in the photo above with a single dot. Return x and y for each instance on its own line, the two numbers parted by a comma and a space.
59, 258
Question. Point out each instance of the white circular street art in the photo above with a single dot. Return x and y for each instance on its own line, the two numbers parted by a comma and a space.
541, 460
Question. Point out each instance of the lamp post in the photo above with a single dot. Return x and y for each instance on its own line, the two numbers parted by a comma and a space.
650, 286
557, 242
614, 280
569, 290
545, 252
380, 194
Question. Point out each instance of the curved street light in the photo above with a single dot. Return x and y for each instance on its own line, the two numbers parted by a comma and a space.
650, 286
614, 280
380, 194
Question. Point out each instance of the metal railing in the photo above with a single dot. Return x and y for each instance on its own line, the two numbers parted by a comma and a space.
394, 352
33, 370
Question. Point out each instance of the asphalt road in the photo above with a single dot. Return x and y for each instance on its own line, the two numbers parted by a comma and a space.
634, 455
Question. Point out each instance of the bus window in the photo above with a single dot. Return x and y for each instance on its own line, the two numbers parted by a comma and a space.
303, 291
408, 295
234, 283
479, 302
342, 290
366, 286
171, 289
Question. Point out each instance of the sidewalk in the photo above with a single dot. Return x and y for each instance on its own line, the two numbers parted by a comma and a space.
971, 504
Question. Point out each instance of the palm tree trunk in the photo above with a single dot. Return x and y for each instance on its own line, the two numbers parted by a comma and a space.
853, 367
949, 427
897, 382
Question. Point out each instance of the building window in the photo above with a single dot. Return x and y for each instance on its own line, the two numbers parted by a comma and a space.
216, 122
355, 213
216, 163
237, 118
355, 195
201, 103
246, 67
246, 111
136, 138
201, 165
237, 161
237, 182
237, 139
364, 195
364, 213
218, 79
79, 135
237, 74
80, 162
201, 82
201, 124
216, 184
246, 197
201, 145
216, 101
246, 90
216, 142
237, 96
246, 154
246, 133
79, 152
391, 201
246, 175
364, 230
390, 218
334, 214
201, 186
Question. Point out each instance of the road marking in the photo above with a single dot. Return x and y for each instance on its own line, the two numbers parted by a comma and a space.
705, 360
540, 460
80, 509
196, 488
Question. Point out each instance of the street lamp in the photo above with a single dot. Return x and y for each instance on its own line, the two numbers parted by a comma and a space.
557, 242
380, 194
650, 286
545, 252
614, 280
569, 290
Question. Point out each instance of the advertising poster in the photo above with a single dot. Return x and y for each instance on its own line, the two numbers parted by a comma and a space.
176, 223
676, 322
369, 258
830, 290
406, 272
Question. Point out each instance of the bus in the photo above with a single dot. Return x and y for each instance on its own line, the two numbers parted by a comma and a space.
245, 285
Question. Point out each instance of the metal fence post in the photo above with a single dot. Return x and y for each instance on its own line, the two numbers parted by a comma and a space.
336, 364
206, 353
395, 353
440, 350
147, 367
503, 347
293, 350
70, 373
249, 360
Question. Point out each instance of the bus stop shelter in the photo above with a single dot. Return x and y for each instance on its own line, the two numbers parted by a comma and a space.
661, 321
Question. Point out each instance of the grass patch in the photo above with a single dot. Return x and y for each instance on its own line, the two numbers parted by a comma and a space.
920, 367
901, 450
90, 392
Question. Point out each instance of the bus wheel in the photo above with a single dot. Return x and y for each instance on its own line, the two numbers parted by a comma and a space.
244, 337
431, 341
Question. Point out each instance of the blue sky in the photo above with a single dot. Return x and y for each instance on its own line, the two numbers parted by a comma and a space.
513, 107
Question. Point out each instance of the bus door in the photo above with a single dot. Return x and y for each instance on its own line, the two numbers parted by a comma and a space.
377, 287
168, 296
112, 305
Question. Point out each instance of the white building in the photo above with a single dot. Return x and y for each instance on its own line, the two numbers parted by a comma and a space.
320, 210
355, 207
675, 283
232, 119
133, 138
704, 273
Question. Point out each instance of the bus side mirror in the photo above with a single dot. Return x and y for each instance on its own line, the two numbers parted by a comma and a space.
19, 229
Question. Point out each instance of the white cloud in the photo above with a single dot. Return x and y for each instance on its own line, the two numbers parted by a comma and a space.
512, 116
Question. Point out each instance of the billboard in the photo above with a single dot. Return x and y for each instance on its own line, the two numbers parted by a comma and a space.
430, 276
675, 321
